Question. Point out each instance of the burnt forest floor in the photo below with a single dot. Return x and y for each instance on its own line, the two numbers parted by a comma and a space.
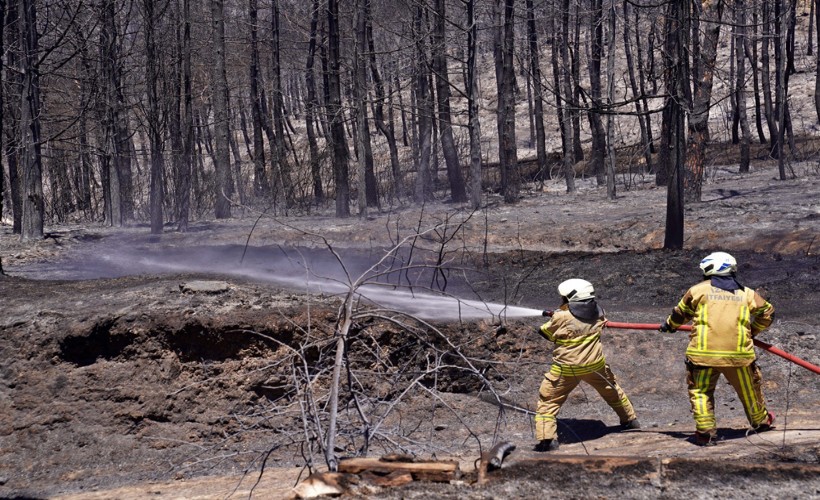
123, 376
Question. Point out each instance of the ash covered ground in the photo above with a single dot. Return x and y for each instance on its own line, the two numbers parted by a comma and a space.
120, 379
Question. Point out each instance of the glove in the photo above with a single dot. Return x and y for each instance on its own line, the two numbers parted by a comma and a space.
665, 328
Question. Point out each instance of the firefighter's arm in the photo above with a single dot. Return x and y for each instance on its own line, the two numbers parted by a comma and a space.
682, 313
546, 331
763, 313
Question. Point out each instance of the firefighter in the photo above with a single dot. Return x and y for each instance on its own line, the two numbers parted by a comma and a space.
578, 356
726, 317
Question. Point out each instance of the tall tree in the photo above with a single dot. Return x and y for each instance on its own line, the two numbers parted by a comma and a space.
385, 127
538, 97
610, 95
740, 83
676, 81
222, 153
473, 123
151, 17
596, 160
183, 134
709, 15
367, 185
260, 177
280, 163
335, 117
816, 4
566, 82
458, 191
30, 113
505, 82
424, 109
638, 93
311, 107
2, 113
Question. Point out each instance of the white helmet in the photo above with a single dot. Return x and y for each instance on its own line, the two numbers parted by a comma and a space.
718, 264
576, 290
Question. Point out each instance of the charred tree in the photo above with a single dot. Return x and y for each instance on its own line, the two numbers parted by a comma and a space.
281, 170
505, 83
458, 192
703, 75
740, 83
223, 188
30, 113
566, 118
385, 127
151, 17
676, 79
424, 110
312, 106
335, 116
596, 160
538, 94
261, 186
474, 125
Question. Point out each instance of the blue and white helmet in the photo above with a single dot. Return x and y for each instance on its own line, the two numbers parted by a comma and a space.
718, 264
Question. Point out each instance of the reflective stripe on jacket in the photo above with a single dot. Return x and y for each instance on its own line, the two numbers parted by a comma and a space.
723, 324
578, 348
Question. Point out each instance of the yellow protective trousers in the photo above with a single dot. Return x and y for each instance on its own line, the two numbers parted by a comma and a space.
746, 381
556, 387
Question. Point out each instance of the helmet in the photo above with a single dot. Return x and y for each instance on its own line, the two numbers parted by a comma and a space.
576, 290
718, 264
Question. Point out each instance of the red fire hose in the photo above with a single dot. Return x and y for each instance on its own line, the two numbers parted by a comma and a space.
763, 345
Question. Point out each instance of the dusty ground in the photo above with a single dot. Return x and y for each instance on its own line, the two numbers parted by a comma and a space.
119, 383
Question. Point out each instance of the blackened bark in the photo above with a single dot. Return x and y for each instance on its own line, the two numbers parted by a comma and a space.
260, 177
676, 77
155, 133
335, 116
569, 156
30, 156
538, 94
222, 152
458, 192
474, 125
699, 119
596, 160
311, 107
740, 83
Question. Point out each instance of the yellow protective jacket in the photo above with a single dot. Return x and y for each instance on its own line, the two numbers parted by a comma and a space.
578, 348
723, 324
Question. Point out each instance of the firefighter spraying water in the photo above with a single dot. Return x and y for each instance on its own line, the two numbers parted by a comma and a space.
726, 317
577, 357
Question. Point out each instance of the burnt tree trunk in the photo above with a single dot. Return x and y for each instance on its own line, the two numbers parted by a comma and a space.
222, 153
703, 77
740, 84
311, 107
335, 116
474, 125
30, 112
596, 159
676, 77
569, 156
458, 192
538, 97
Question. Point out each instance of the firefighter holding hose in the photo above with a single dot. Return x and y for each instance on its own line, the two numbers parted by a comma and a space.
578, 356
726, 317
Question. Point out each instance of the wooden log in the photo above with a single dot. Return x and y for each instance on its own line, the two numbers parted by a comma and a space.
439, 471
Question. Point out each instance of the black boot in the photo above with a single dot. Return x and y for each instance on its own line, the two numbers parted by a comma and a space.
546, 445
632, 424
